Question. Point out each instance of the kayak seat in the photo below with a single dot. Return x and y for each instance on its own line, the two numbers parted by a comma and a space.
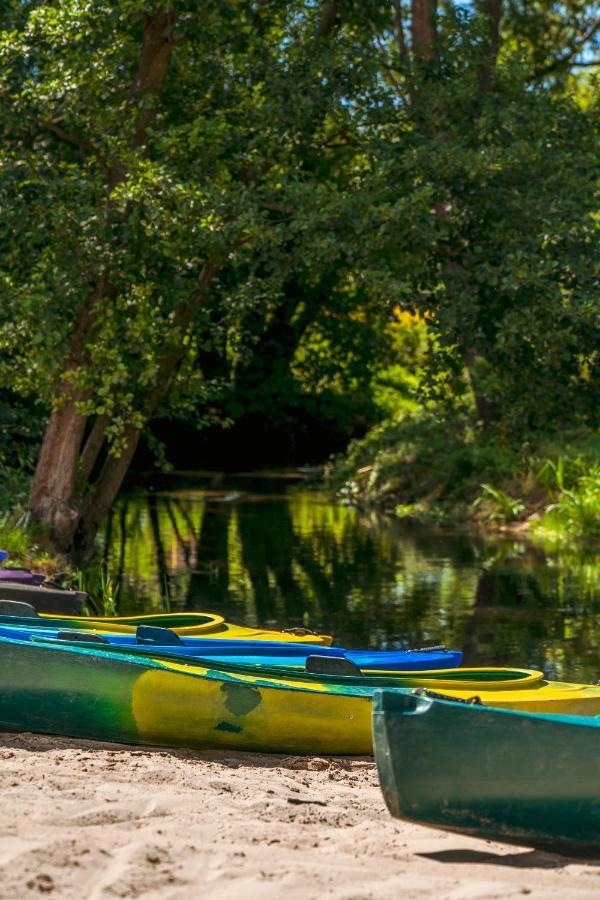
17, 608
154, 634
330, 665
87, 636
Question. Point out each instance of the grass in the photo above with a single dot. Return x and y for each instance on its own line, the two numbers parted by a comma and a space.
100, 586
576, 509
25, 548
501, 507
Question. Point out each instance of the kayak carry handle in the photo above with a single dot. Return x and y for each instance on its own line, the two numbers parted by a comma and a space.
330, 665
154, 634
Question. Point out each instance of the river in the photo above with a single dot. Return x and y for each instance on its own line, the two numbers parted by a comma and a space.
267, 550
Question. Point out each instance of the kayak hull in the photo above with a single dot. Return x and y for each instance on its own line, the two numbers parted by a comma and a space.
526, 779
96, 695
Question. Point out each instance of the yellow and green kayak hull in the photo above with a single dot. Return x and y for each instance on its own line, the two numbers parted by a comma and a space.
122, 695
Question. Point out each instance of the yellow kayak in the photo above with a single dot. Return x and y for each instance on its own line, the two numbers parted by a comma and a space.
544, 697
206, 625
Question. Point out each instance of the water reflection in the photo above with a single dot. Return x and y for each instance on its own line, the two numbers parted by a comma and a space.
268, 552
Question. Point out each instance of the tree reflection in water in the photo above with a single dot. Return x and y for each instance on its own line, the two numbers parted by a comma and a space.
264, 552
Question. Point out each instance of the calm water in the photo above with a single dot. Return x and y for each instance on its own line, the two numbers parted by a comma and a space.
268, 551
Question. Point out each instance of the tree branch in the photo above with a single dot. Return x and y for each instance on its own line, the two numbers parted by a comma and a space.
567, 58
492, 11
157, 47
63, 135
423, 29
82, 144
99, 500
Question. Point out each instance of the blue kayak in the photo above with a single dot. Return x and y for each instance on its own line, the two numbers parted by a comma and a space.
252, 653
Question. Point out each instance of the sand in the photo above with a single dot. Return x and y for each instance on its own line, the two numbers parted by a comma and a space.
87, 820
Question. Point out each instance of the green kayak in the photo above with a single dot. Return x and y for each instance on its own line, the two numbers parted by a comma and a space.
491, 773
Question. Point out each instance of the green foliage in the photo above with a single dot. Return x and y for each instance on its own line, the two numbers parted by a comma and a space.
307, 369
500, 244
14, 538
424, 464
21, 424
573, 483
397, 387
234, 173
431, 468
497, 505
551, 474
237, 226
25, 546
577, 511
510, 281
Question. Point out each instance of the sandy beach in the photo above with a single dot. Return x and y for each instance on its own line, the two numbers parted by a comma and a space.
87, 820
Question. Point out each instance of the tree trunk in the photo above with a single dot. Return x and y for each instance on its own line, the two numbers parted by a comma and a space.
423, 16
328, 20
52, 488
61, 474
51, 497
485, 409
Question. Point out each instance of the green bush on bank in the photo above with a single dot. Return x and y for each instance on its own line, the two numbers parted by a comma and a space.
572, 481
421, 460
25, 547
430, 467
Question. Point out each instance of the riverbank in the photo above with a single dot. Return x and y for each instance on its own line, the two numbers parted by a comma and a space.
443, 472
82, 819
27, 548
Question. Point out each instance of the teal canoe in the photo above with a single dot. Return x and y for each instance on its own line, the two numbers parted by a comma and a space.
491, 773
